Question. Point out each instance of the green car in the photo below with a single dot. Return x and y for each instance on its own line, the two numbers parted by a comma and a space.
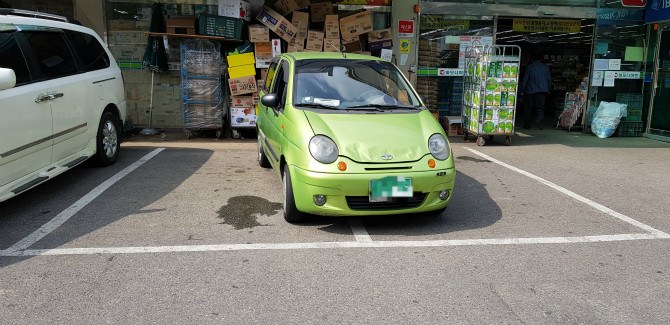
348, 135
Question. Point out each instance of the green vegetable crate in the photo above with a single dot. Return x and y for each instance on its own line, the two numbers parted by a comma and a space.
490, 91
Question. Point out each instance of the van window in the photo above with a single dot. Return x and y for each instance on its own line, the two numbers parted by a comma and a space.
52, 53
90, 52
12, 58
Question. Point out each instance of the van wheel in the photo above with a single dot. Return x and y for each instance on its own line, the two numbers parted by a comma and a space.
262, 158
107, 140
291, 213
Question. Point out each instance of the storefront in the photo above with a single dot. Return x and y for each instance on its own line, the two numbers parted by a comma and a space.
657, 84
597, 50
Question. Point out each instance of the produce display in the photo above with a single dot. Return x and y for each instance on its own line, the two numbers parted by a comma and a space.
490, 91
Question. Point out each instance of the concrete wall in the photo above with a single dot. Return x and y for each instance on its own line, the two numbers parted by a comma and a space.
91, 13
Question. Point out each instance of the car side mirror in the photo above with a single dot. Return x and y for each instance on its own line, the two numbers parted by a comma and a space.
270, 100
7, 78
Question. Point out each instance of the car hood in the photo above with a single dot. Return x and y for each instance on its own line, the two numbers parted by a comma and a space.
367, 137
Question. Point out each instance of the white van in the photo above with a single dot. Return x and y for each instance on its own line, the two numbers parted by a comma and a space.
61, 99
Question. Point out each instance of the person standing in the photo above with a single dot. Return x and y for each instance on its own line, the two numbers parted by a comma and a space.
535, 87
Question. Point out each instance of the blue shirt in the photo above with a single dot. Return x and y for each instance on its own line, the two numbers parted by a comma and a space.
536, 79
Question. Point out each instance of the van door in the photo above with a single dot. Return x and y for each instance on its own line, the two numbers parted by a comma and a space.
25, 117
73, 97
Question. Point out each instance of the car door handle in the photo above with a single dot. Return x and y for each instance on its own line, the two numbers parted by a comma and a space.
44, 98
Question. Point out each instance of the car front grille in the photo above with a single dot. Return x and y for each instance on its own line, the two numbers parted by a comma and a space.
363, 202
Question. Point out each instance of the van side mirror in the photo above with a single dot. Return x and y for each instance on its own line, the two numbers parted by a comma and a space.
7, 78
270, 100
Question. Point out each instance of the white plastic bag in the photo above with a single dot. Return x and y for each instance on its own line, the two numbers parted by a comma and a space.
606, 118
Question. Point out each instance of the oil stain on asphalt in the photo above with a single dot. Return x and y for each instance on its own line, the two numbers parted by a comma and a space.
472, 159
242, 211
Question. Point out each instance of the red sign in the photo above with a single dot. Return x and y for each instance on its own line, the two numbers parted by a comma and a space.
633, 3
406, 28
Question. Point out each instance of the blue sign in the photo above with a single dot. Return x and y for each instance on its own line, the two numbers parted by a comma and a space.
610, 16
657, 10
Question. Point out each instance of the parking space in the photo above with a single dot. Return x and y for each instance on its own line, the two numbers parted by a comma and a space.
217, 198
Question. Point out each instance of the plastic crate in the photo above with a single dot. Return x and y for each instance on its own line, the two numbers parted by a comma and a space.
633, 115
629, 129
634, 101
228, 27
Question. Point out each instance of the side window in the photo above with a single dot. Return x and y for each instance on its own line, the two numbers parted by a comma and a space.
89, 50
12, 58
269, 76
52, 53
279, 87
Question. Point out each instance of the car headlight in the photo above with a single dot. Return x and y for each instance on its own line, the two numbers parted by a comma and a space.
438, 146
323, 149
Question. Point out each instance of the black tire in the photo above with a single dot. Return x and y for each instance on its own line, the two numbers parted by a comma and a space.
107, 140
291, 212
262, 158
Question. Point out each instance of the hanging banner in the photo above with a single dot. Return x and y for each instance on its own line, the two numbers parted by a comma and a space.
546, 25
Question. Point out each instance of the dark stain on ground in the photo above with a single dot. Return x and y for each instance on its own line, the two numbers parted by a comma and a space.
241, 211
472, 159
239, 171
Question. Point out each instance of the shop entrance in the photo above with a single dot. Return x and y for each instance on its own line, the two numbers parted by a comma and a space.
659, 113
564, 44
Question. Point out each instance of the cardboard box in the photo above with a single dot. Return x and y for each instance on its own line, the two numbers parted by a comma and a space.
332, 27
242, 85
263, 54
277, 23
264, 72
132, 53
285, 7
331, 45
320, 10
380, 39
259, 33
127, 37
242, 70
301, 21
240, 59
355, 25
242, 116
180, 26
352, 44
452, 125
296, 45
314, 41
242, 101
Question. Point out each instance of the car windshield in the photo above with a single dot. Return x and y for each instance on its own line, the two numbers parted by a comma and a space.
351, 84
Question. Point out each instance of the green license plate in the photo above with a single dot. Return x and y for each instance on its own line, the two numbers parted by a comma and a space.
383, 189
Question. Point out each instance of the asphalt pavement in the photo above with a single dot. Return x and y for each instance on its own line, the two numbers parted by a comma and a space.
558, 228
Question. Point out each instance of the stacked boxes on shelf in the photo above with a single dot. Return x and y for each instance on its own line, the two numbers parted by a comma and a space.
242, 81
428, 86
201, 84
631, 124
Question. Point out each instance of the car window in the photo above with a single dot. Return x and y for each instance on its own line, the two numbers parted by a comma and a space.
89, 50
11, 57
279, 86
269, 76
348, 84
52, 53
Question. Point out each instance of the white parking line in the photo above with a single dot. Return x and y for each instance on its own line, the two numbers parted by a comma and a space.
62, 217
325, 245
577, 197
360, 233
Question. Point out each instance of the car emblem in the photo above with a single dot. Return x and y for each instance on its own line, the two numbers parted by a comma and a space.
387, 157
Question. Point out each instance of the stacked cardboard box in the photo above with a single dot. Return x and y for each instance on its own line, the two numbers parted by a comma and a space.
242, 73
428, 86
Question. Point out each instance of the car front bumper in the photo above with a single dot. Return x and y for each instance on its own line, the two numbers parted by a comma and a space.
337, 187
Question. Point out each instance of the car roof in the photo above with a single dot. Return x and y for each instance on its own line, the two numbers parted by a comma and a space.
328, 55
30, 21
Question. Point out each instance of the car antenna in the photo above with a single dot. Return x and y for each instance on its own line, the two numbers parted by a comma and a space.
338, 49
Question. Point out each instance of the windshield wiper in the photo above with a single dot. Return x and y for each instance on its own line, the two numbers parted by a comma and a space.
380, 107
315, 105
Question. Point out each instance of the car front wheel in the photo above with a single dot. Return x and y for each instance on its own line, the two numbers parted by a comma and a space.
291, 213
262, 158
107, 140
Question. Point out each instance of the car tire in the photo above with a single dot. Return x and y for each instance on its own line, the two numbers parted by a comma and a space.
291, 212
107, 140
262, 158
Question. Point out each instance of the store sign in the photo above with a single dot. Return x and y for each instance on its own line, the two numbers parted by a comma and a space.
438, 22
634, 3
405, 28
628, 75
657, 10
547, 25
612, 16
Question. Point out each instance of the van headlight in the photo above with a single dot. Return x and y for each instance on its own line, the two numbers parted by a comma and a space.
323, 149
438, 146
